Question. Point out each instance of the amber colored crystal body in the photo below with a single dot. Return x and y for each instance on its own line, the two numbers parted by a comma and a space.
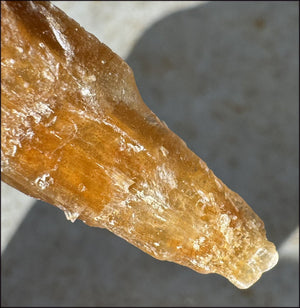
76, 133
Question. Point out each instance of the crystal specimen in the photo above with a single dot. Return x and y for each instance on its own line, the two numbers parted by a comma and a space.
77, 134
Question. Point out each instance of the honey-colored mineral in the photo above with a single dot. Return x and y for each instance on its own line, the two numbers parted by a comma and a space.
77, 134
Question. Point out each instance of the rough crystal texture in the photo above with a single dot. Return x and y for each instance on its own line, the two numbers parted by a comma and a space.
76, 133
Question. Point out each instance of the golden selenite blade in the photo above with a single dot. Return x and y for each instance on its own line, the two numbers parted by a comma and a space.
77, 134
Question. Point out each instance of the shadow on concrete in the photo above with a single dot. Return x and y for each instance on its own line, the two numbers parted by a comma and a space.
224, 77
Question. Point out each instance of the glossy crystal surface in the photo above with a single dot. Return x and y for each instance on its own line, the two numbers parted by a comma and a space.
77, 134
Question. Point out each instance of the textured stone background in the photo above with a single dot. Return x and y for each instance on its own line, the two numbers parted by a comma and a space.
224, 77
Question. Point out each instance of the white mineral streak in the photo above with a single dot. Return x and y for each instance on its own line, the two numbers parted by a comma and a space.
91, 78
126, 139
136, 148
72, 216
164, 151
166, 176
51, 122
43, 109
122, 143
196, 245
38, 111
228, 197
198, 242
81, 187
203, 198
224, 221
19, 130
44, 181
154, 199
48, 75
119, 179
203, 165
61, 207
85, 92
219, 184
58, 33
20, 49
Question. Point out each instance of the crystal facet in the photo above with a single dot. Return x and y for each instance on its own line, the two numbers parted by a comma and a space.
77, 134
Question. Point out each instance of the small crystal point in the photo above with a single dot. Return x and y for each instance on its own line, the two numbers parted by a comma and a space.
76, 133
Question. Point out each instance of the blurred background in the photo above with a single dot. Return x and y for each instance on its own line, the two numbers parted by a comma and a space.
224, 76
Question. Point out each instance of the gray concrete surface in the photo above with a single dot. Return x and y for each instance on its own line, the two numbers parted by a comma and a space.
224, 77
